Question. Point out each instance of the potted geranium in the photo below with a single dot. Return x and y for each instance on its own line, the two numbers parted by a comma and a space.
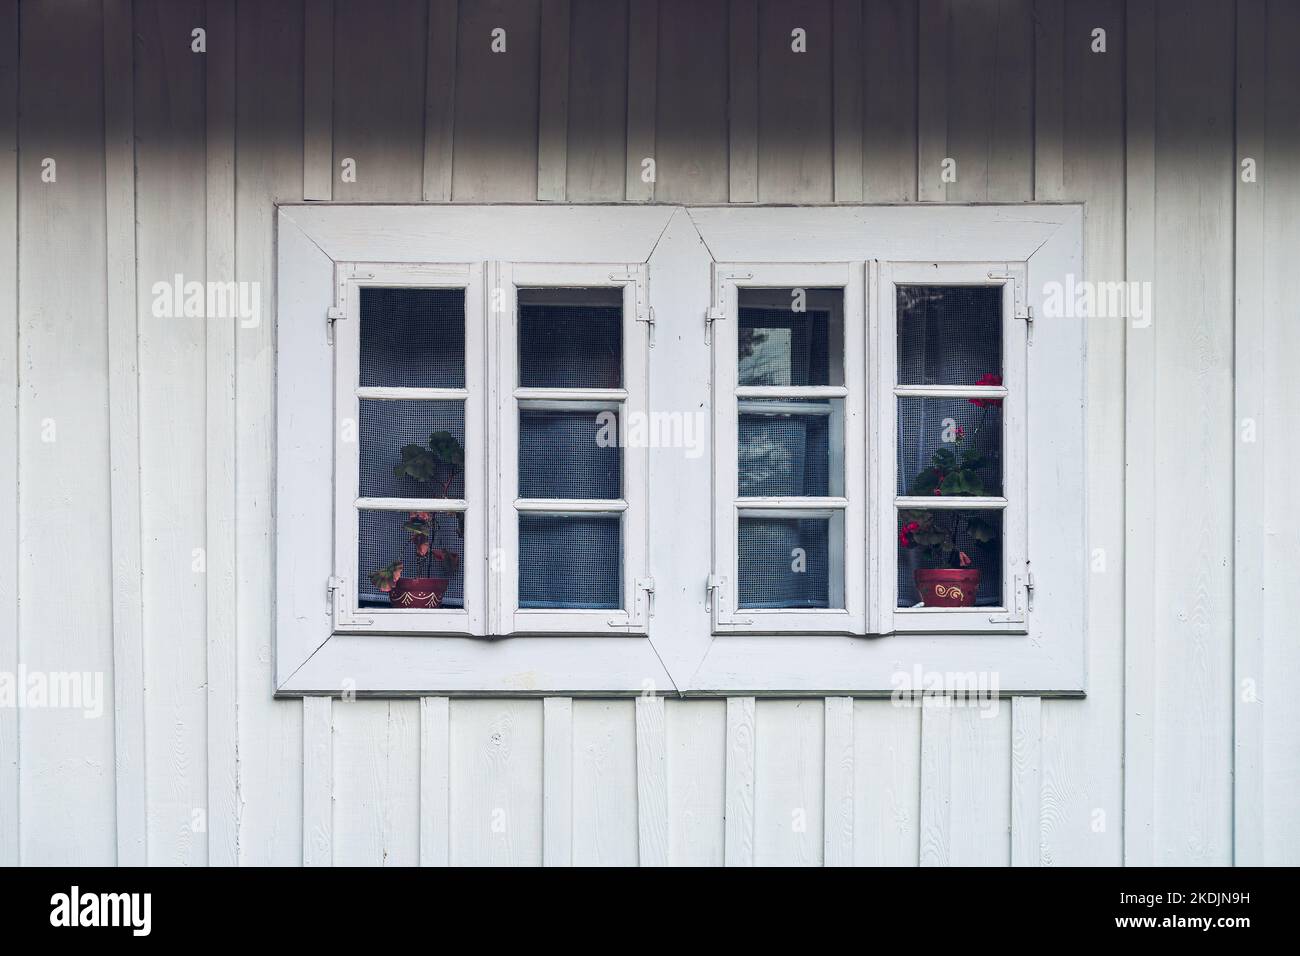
948, 578
437, 463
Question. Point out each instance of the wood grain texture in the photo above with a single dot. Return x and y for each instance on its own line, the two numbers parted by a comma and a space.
1276, 347
268, 146
377, 782
557, 781
1026, 781
936, 782
435, 781
67, 785
379, 83
553, 97
1048, 105
838, 763
124, 442
789, 737
497, 102
598, 128
605, 782
496, 789
440, 99
318, 100
1082, 786
742, 101
847, 41
691, 103
171, 205
642, 97
795, 103
222, 715
317, 781
739, 814
696, 732
933, 26
887, 782
1140, 661
980, 784
889, 137
651, 781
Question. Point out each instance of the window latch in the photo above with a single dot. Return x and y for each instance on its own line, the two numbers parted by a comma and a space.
332, 315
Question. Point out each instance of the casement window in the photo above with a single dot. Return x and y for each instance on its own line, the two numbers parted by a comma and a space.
875, 467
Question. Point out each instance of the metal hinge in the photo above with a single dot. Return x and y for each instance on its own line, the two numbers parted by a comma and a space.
643, 608
641, 292
1025, 585
332, 315
1020, 308
718, 304
340, 613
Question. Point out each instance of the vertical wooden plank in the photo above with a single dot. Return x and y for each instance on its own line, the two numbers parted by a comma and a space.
837, 817
889, 139
1194, 433
789, 792
739, 846
318, 100
696, 732
887, 782
9, 505
318, 781
497, 102
651, 782
496, 782
598, 102
846, 33
1026, 780
171, 201
936, 782
557, 781
1083, 740
1273, 354
1250, 484
691, 130
795, 103
377, 782
124, 439
642, 97
379, 84
440, 99
268, 147
435, 781
67, 787
553, 112
1139, 441
1049, 95
605, 775
980, 784
742, 101
222, 661
932, 99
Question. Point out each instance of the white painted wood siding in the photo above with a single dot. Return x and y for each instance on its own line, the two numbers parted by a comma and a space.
169, 161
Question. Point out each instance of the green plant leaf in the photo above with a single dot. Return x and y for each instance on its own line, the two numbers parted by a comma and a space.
981, 530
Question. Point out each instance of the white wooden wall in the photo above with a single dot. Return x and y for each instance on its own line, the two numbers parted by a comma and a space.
168, 161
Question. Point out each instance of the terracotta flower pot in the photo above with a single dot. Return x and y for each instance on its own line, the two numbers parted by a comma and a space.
418, 592
947, 587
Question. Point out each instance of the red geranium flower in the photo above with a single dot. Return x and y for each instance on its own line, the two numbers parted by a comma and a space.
988, 379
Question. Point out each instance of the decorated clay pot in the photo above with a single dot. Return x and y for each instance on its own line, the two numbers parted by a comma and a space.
418, 592
948, 587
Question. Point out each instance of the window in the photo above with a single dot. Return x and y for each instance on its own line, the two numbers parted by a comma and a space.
699, 451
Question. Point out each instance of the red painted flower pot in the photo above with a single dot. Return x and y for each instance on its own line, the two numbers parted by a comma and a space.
948, 587
418, 592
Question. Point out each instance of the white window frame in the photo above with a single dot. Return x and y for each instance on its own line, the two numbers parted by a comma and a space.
629, 400
675, 647
847, 561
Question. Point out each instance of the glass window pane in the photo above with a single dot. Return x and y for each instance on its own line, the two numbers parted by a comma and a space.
412, 338
949, 335
791, 336
571, 338
412, 449
791, 447
950, 549
570, 561
791, 562
430, 547
569, 454
952, 444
